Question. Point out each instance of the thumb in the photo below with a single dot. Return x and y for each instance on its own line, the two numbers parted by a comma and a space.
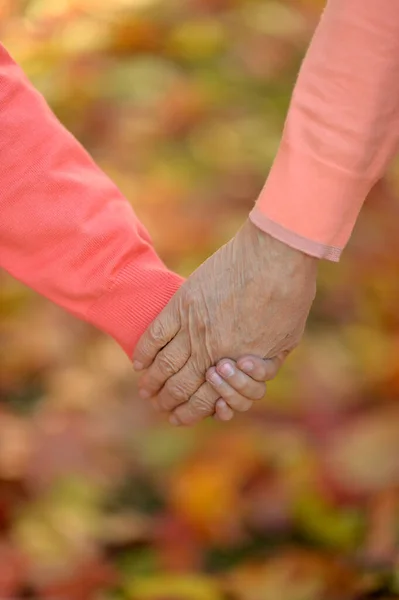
159, 333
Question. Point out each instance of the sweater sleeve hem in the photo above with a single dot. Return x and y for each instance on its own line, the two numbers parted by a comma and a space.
293, 239
138, 294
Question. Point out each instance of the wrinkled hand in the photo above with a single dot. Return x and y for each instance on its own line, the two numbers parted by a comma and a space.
252, 296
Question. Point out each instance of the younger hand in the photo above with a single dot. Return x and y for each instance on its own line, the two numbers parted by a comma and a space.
241, 383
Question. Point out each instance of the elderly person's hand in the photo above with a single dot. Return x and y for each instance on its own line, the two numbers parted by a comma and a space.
252, 296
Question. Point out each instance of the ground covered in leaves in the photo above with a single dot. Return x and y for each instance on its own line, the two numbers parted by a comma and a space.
182, 103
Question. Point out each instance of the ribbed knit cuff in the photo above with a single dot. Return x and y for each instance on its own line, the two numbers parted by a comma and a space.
137, 295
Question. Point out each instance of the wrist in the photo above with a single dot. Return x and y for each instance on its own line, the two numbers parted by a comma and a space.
290, 273
290, 237
277, 250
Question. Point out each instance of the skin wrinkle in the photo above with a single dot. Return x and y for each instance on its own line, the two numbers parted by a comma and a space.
165, 400
252, 270
210, 395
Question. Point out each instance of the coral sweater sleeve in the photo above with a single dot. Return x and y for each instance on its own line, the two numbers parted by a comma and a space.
65, 229
341, 130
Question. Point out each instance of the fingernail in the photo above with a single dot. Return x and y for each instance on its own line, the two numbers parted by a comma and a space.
144, 394
247, 366
215, 378
226, 369
173, 420
137, 365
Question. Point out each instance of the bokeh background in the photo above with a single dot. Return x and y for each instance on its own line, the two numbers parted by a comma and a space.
182, 103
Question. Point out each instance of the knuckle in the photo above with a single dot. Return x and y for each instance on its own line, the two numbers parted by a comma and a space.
166, 404
146, 351
177, 390
152, 386
203, 404
186, 418
202, 407
166, 364
157, 331
165, 401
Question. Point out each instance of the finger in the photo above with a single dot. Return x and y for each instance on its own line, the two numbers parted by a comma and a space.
180, 387
223, 412
166, 363
233, 398
236, 380
159, 333
261, 369
200, 406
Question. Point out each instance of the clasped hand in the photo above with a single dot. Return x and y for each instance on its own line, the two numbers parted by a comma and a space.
252, 297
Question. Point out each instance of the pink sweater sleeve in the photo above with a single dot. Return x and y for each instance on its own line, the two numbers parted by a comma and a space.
341, 130
65, 229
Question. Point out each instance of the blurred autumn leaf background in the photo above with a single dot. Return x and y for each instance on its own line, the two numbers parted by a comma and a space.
182, 103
